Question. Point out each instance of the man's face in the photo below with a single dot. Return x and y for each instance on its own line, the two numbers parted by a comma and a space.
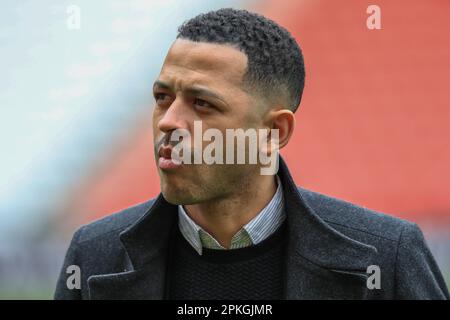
201, 82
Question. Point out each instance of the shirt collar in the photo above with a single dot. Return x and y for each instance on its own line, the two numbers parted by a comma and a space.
256, 230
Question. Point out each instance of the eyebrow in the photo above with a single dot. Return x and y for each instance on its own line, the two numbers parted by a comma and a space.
194, 90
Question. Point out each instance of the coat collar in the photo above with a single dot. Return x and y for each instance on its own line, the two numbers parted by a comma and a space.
317, 255
322, 263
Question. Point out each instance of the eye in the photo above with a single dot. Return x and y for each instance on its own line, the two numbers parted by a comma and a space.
160, 96
203, 104
162, 99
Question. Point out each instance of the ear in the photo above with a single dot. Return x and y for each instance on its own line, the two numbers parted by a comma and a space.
284, 121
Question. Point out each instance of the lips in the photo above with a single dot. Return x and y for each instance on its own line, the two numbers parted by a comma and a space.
165, 152
165, 161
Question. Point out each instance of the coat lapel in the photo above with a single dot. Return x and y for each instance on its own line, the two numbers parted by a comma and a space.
322, 263
146, 244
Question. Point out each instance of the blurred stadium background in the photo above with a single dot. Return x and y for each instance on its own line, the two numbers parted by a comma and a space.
75, 116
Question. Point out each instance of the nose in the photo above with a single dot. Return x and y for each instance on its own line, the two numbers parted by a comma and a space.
173, 118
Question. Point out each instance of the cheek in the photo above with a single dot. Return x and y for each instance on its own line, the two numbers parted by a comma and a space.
156, 116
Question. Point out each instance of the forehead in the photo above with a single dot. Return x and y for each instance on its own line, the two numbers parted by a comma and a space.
218, 65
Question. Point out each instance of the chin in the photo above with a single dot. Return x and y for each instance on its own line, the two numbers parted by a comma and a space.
177, 198
176, 194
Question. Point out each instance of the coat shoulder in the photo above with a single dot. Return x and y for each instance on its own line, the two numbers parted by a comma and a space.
114, 223
348, 215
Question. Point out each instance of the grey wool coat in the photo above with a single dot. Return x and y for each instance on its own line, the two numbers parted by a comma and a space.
331, 246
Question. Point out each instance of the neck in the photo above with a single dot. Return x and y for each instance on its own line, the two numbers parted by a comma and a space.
223, 218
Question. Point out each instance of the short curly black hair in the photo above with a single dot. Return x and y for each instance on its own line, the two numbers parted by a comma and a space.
275, 60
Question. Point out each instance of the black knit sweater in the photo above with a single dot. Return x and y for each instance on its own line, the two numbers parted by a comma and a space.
255, 272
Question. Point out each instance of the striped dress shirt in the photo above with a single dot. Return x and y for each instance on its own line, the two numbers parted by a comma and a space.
255, 231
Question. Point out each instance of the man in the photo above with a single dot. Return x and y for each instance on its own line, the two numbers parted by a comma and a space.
225, 230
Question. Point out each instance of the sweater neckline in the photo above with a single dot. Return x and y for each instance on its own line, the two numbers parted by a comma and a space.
274, 241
